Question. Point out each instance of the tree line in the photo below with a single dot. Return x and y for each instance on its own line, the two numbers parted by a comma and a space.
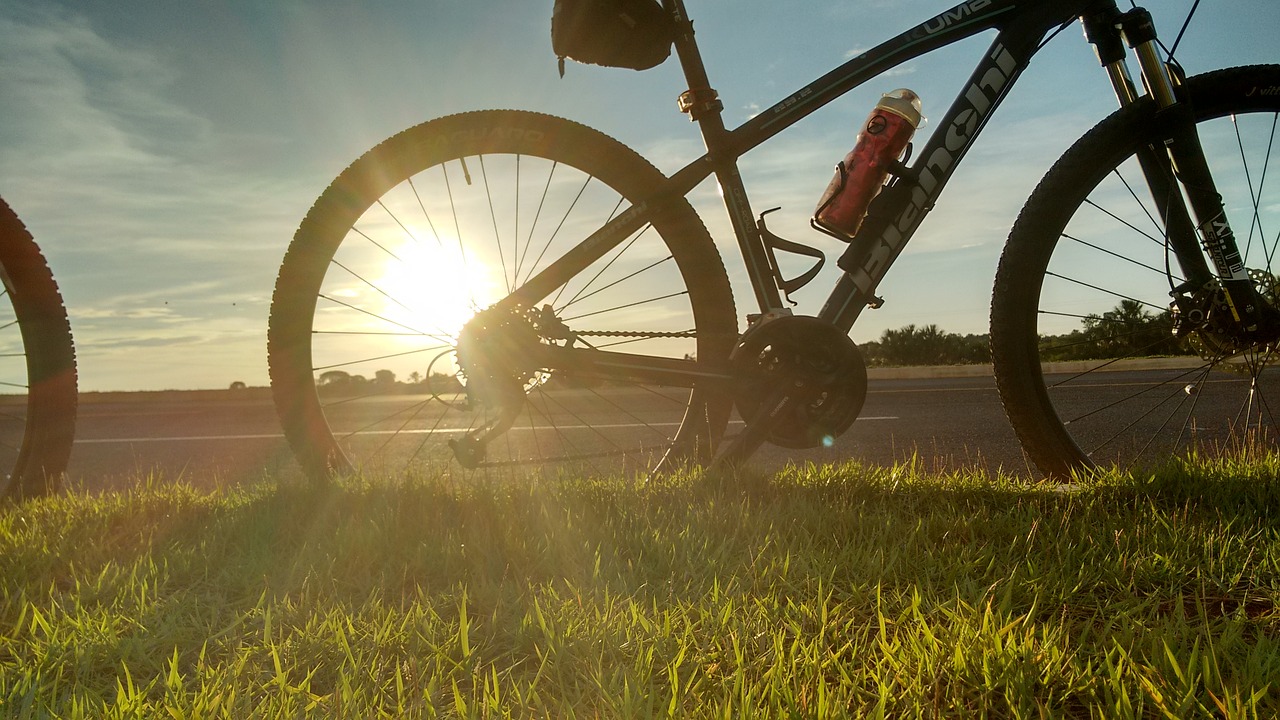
1130, 329
340, 382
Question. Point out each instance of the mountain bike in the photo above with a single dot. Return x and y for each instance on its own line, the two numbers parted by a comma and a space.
37, 368
564, 306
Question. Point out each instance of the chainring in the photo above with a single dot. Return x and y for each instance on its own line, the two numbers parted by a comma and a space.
806, 358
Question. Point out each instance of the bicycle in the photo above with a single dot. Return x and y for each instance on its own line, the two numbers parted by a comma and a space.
582, 317
37, 369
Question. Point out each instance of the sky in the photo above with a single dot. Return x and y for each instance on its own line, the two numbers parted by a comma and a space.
163, 153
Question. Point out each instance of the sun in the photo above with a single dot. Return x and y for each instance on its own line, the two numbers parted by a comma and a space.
433, 288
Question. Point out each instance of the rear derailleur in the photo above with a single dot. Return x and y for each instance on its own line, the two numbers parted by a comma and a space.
498, 355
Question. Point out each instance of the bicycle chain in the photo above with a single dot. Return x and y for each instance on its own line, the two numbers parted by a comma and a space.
635, 334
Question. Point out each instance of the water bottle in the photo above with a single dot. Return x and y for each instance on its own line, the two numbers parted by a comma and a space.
864, 170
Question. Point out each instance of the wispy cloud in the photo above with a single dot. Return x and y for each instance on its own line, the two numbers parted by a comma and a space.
149, 231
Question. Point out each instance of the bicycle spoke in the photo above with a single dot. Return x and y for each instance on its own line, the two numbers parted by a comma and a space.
533, 226
493, 217
580, 297
376, 316
375, 243
1170, 369
629, 305
363, 360
1159, 271
555, 233
1254, 194
443, 253
425, 215
1113, 293
370, 285
574, 451
1093, 342
1124, 429
372, 333
555, 301
1158, 225
408, 233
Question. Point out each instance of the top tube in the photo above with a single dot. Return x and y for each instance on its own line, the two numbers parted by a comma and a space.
1021, 25
958, 23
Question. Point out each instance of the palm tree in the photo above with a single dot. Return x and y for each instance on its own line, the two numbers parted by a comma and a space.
1130, 330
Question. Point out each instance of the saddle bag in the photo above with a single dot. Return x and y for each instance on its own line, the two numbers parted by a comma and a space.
634, 34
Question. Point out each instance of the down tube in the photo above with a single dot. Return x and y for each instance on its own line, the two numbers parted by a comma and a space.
906, 202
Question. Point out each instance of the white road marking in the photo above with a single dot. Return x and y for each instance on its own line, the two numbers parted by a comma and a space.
451, 430
176, 438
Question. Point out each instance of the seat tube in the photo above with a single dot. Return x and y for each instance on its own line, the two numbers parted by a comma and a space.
703, 105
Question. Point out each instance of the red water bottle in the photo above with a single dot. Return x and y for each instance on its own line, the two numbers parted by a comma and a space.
863, 171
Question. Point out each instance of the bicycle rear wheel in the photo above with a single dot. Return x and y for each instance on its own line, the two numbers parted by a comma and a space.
1088, 366
425, 232
37, 368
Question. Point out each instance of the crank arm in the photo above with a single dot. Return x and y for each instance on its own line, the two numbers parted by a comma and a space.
773, 410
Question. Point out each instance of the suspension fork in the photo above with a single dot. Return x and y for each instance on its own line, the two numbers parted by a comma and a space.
1177, 173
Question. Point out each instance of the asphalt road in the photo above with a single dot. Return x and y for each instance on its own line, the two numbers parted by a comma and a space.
224, 437
229, 437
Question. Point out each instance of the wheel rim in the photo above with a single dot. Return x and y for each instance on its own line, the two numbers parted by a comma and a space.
1148, 395
37, 368
451, 240
14, 384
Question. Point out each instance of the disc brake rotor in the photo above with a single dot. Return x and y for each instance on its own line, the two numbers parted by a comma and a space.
1217, 338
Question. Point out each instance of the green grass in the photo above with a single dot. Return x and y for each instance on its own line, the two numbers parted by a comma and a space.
820, 592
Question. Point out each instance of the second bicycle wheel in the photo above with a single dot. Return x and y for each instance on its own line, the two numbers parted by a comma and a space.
37, 368
398, 261
1094, 366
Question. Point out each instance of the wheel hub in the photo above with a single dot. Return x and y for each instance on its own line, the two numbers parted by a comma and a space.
1213, 331
494, 353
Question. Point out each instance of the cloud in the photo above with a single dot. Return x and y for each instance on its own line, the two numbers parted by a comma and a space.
86, 106
96, 124
150, 232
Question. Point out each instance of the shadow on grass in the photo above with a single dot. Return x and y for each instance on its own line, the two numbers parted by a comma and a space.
175, 575
675, 535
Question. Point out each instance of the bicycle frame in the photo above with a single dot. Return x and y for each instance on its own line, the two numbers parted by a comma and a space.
896, 214
1021, 25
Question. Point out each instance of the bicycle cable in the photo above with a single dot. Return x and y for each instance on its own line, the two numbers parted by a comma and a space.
1054, 34
1186, 23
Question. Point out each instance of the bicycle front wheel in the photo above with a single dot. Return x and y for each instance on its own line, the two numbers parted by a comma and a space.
1094, 366
37, 368
436, 225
